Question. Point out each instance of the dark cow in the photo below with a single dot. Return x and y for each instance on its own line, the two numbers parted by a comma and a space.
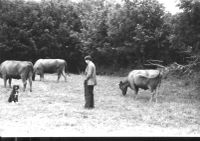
42, 66
17, 70
144, 79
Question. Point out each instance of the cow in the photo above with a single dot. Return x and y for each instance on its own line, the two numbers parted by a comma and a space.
42, 66
144, 79
11, 69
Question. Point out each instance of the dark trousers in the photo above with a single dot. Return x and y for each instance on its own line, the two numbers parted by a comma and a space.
89, 96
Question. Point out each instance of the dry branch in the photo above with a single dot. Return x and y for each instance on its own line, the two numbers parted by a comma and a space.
152, 62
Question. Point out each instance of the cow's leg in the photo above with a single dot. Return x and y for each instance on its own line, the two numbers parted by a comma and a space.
156, 93
59, 74
64, 75
24, 83
5, 80
42, 77
153, 92
33, 76
136, 92
9, 81
157, 90
30, 83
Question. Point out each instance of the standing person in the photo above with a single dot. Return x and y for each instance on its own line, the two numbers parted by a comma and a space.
89, 82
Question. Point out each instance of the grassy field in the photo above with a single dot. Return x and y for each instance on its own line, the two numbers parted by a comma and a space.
56, 109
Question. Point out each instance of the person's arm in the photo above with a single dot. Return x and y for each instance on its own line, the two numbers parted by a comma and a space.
89, 72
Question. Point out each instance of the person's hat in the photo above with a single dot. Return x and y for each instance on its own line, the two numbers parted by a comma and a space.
88, 58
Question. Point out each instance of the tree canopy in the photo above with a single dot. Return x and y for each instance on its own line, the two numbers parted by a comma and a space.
115, 35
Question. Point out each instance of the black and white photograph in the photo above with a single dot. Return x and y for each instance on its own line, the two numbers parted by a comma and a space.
99, 68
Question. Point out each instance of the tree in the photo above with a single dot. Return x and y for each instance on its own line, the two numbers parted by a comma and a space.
139, 26
30, 30
189, 21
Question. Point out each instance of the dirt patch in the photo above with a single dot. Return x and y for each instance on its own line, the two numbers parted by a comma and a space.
56, 109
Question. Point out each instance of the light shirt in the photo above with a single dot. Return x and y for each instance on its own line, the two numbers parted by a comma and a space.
90, 72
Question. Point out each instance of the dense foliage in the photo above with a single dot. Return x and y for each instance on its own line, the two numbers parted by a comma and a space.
29, 31
116, 35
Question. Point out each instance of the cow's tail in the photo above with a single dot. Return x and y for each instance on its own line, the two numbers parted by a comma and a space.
30, 71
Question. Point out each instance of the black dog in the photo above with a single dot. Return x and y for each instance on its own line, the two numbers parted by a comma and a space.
14, 94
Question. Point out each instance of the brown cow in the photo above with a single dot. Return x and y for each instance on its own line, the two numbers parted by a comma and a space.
17, 70
42, 66
144, 79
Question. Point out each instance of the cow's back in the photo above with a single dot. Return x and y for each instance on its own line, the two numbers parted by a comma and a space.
50, 65
12, 68
143, 78
9, 68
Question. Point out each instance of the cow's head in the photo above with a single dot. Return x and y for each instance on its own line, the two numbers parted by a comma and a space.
123, 86
166, 70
